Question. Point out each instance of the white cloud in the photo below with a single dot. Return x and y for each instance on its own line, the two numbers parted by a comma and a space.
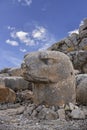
39, 33
74, 31
48, 43
13, 34
11, 28
23, 50
11, 42
21, 34
82, 23
42, 36
25, 2
23, 37
38, 36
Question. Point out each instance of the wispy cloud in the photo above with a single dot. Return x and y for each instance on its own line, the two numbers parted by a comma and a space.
11, 28
37, 36
48, 43
74, 31
82, 23
44, 9
39, 33
43, 36
14, 60
23, 50
24, 37
44, 47
11, 42
77, 30
25, 2
9, 59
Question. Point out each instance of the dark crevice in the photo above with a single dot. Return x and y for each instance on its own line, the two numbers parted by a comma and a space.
85, 28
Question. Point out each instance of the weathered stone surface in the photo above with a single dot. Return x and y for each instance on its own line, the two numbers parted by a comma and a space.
4, 75
74, 37
61, 113
31, 117
12, 111
47, 114
15, 72
53, 77
15, 83
2, 83
81, 89
83, 29
42, 113
83, 44
25, 95
76, 72
80, 78
79, 59
72, 106
7, 95
85, 68
77, 114
5, 70
51, 115
84, 108
29, 110
75, 46
67, 45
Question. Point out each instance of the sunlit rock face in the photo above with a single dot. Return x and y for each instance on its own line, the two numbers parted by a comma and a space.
75, 46
7, 95
81, 89
53, 77
83, 29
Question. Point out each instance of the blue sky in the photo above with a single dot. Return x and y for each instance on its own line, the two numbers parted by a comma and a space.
32, 25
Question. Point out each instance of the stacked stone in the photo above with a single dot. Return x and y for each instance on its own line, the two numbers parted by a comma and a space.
13, 86
75, 46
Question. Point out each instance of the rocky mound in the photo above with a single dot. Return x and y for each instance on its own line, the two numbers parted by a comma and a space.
75, 46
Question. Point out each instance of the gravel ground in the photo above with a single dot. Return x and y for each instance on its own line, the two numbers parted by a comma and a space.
45, 125
13, 118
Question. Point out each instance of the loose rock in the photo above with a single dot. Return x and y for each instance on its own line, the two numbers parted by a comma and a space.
61, 113
15, 83
77, 114
7, 95
81, 92
15, 72
24, 96
75, 46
